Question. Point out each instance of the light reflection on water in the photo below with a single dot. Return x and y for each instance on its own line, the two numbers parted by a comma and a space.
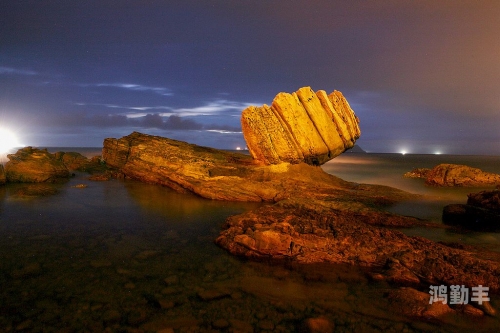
124, 255
388, 169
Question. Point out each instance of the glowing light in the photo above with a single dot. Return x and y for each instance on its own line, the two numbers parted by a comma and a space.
437, 153
8, 140
403, 152
238, 148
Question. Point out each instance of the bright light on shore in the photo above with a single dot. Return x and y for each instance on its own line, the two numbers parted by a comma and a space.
238, 148
403, 152
8, 140
437, 153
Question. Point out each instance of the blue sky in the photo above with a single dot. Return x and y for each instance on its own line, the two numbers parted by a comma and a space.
422, 76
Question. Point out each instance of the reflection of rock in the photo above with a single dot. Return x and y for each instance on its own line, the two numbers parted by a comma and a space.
31, 165
460, 175
2, 175
482, 212
300, 127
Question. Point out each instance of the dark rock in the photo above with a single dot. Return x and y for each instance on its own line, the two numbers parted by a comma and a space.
31, 165
485, 199
481, 213
460, 175
3, 177
471, 217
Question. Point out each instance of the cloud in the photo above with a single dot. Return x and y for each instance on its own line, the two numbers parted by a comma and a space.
16, 71
134, 87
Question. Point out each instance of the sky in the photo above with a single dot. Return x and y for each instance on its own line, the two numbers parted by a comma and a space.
422, 76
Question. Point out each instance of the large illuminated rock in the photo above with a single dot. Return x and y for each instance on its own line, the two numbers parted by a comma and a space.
31, 165
300, 127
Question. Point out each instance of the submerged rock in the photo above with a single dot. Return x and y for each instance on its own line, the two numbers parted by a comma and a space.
31, 165
300, 127
460, 175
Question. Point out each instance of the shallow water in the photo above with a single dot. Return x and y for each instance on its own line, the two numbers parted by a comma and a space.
122, 256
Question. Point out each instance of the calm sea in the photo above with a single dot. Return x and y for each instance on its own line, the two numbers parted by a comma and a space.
122, 256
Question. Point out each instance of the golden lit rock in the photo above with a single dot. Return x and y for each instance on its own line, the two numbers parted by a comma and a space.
304, 126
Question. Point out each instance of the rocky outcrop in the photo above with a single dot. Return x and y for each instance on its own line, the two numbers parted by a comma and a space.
3, 178
300, 127
481, 213
460, 175
215, 174
313, 231
31, 165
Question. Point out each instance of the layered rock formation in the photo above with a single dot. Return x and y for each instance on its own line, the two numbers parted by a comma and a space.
300, 127
460, 175
31, 165
215, 174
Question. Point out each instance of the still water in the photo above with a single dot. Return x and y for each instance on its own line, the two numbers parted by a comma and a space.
122, 256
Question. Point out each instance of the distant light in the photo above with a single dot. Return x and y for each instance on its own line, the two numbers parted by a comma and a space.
437, 153
8, 140
403, 152
238, 148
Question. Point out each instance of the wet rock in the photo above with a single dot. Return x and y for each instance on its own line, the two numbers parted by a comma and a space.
318, 325
300, 127
31, 165
482, 212
460, 175
415, 304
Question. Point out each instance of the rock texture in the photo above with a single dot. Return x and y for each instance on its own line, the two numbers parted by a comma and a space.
417, 173
460, 175
31, 165
300, 127
215, 174
313, 232
481, 213
3, 178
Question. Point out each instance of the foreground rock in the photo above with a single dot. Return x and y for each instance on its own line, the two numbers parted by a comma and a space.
31, 165
311, 232
481, 213
300, 127
460, 175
